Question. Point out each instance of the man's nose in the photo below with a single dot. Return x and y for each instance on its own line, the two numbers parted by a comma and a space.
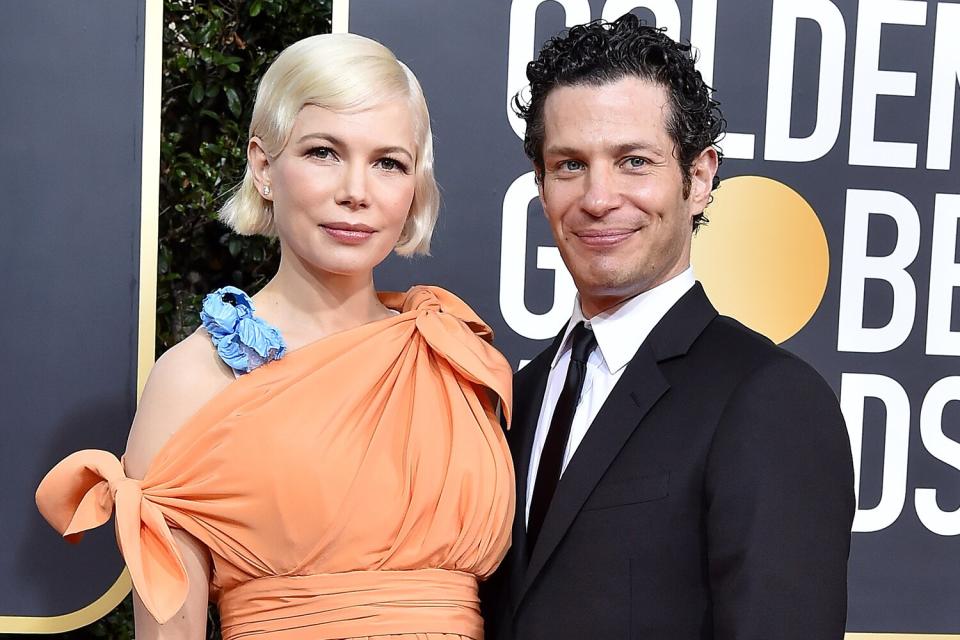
601, 195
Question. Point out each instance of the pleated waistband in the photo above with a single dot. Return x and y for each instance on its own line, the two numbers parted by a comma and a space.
356, 603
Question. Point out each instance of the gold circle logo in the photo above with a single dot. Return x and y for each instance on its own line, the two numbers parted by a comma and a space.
763, 259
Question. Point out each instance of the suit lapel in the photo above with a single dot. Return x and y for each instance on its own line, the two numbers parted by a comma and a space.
533, 388
638, 390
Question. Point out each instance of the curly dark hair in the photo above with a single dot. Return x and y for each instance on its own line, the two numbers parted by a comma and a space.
601, 52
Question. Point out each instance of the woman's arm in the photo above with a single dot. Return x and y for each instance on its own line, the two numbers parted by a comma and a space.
181, 382
190, 623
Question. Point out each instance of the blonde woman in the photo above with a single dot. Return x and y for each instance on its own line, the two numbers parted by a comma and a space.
322, 460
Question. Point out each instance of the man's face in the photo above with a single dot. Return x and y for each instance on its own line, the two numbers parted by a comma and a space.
613, 191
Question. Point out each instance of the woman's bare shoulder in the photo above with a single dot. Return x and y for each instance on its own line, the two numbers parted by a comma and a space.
184, 379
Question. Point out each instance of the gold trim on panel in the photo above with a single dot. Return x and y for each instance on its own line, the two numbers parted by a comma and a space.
150, 188
74, 620
341, 16
147, 310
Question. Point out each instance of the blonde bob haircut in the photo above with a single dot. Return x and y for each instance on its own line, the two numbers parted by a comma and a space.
344, 73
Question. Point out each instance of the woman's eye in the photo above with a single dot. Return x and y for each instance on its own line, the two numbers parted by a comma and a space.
389, 164
321, 153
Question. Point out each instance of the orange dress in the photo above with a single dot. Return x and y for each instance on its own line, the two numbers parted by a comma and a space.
360, 486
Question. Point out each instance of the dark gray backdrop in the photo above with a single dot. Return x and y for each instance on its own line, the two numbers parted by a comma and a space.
71, 83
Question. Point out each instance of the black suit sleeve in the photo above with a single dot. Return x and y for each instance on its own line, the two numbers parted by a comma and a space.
780, 505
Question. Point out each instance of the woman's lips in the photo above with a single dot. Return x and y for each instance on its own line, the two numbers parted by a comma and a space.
605, 237
348, 233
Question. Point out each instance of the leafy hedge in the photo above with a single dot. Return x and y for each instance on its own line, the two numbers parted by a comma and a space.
214, 53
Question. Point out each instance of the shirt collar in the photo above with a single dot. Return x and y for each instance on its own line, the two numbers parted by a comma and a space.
620, 331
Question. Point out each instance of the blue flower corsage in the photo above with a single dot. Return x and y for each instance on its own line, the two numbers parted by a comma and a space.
243, 340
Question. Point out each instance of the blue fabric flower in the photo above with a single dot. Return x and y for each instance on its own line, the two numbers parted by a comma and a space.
243, 340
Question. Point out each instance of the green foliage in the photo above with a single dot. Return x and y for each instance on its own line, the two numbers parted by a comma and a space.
214, 53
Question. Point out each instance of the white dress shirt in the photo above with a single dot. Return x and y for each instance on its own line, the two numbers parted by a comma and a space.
619, 332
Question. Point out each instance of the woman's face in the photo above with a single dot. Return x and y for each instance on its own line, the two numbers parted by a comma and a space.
343, 186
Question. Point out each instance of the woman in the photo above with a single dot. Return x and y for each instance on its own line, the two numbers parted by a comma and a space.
329, 465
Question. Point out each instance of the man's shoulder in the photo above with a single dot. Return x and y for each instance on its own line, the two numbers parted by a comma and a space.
726, 334
735, 351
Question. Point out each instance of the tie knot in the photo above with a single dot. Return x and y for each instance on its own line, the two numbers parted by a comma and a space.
583, 342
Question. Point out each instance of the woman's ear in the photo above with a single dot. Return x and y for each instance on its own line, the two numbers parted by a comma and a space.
259, 163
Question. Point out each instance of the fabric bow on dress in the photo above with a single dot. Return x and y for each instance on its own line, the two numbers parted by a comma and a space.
80, 493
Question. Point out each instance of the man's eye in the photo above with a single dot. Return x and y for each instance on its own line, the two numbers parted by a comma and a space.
635, 162
571, 165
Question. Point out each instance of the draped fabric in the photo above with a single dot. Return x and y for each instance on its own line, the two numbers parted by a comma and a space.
358, 487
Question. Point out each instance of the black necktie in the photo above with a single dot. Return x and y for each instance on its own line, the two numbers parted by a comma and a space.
551, 459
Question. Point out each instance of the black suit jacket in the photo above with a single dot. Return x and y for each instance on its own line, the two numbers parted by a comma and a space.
711, 498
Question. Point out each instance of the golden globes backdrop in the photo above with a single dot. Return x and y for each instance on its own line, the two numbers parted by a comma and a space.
834, 231
80, 132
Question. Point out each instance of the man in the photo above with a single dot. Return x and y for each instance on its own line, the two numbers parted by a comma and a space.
678, 475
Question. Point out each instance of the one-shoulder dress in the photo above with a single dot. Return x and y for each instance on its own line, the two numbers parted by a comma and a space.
358, 487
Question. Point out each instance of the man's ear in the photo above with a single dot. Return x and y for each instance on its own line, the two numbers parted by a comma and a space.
702, 171
259, 162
